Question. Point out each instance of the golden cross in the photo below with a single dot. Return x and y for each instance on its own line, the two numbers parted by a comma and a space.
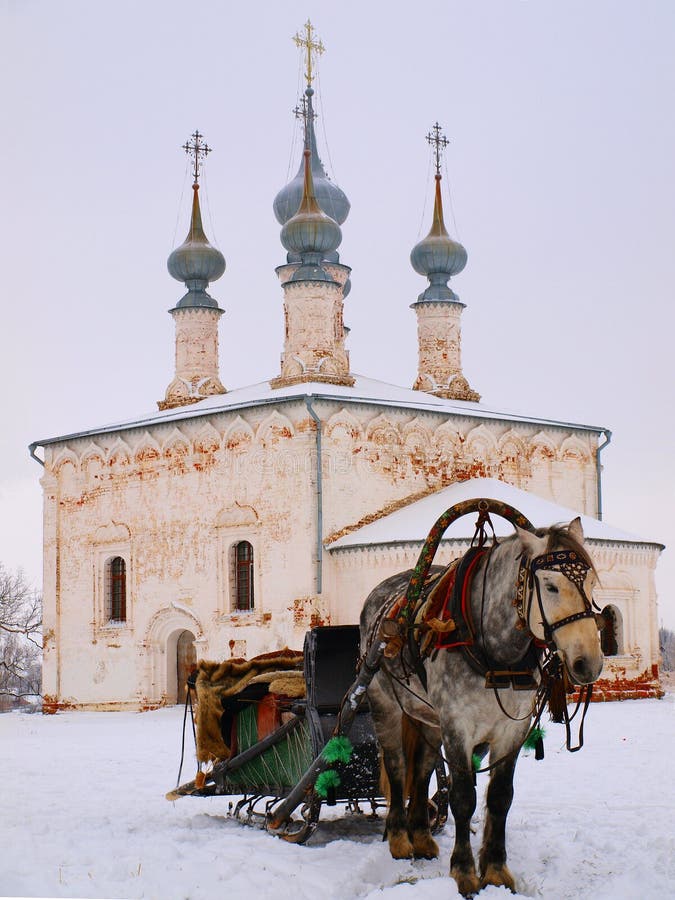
311, 46
440, 141
198, 151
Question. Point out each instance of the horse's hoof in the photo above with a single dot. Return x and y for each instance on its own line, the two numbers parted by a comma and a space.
499, 876
400, 846
424, 846
467, 882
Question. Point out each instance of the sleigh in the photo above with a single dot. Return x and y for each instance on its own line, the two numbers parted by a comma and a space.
261, 724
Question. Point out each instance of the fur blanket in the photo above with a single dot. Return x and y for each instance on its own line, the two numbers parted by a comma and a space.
280, 672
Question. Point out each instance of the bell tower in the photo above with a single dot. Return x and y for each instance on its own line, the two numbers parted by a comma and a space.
311, 208
438, 257
196, 263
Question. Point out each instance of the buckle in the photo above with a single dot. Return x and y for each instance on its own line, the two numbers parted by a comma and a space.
499, 680
505, 678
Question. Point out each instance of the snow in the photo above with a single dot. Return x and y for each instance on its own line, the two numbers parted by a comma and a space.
83, 814
364, 390
412, 522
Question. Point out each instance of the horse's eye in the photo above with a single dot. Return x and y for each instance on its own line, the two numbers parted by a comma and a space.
552, 589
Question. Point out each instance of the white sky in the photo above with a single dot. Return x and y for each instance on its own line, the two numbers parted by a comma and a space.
561, 169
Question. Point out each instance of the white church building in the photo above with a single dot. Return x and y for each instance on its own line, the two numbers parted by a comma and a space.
227, 522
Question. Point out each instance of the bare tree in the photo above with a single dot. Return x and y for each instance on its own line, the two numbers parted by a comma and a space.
667, 647
20, 635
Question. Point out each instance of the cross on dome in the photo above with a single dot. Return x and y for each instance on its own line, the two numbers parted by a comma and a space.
198, 151
310, 47
303, 110
439, 142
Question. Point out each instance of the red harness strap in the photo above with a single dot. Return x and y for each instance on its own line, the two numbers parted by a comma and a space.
457, 606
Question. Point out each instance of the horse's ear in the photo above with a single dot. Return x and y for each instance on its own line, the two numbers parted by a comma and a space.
576, 530
530, 544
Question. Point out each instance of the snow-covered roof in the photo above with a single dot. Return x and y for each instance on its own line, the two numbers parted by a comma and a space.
412, 523
364, 390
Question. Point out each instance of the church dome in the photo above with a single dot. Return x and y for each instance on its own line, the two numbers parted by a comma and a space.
310, 233
196, 262
332, 199
437, 256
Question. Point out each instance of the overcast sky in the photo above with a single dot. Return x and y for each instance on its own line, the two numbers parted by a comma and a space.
560, 117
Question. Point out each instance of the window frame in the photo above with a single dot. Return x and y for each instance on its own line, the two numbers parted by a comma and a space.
104, 553
115, 589
238, 565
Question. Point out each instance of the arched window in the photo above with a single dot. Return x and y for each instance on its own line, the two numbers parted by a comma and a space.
243, 576
610, 636
116, 589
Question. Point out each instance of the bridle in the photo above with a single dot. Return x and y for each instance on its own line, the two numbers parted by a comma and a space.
574, 567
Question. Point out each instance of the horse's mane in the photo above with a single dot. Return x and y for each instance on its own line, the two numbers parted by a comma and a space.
559, 537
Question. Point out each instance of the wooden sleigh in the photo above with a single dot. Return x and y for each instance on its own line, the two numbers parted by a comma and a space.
274, 739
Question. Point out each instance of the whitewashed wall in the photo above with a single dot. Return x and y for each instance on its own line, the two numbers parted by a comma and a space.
172, 499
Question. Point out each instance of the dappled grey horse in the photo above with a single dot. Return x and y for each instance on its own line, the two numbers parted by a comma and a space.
420, 701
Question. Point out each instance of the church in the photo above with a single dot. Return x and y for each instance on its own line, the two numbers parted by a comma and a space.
227, 522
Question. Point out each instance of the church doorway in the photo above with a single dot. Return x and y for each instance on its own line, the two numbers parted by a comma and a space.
186, 661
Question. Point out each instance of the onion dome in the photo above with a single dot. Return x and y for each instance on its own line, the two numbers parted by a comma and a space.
196, 262
332, 200
310, 233
437, 256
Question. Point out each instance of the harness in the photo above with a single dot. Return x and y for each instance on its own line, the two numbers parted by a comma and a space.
575, 569
435, 614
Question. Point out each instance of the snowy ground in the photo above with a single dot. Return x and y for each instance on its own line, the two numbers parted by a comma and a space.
83, 814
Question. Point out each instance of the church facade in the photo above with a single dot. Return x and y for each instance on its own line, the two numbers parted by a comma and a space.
228, 522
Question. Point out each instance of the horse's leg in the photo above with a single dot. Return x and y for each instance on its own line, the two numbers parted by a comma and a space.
420, 745
493, 866
387, 718
462, 805
396, 828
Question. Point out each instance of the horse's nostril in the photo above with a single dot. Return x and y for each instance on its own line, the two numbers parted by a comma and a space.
580, 669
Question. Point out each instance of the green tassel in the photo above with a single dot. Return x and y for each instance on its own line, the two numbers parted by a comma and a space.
338, 749
535, 735
476, 761
326, 780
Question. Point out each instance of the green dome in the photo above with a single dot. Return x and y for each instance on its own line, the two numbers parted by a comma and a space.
437, 256
310, 233
196, 262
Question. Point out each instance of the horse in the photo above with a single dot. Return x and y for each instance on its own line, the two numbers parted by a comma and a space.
421, 701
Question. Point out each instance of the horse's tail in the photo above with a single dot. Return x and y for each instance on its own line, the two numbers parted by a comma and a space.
410, 741
384, 781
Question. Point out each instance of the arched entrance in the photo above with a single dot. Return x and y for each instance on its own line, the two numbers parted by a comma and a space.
186, 660
611, 637
169, 628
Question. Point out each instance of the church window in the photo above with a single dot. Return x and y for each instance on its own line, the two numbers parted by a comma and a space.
610, 636
243, 576
116, 589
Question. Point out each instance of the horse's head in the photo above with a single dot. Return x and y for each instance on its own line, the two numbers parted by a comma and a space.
561, 582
